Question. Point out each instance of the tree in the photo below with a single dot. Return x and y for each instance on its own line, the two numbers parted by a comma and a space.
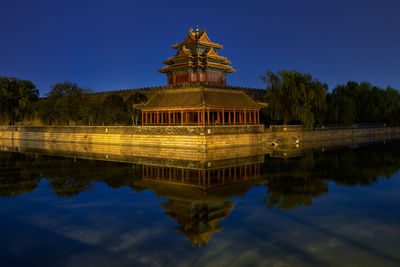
344, 103
113, 109
362, 102
293, 96
136, 98
389, 105
17, 99
65, 103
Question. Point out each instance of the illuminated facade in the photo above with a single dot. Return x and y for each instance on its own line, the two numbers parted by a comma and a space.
200, 106
197, 93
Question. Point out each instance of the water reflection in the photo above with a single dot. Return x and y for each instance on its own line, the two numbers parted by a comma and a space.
199, 192
198, 199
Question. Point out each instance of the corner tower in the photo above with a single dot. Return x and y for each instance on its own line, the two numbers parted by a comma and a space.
196, 60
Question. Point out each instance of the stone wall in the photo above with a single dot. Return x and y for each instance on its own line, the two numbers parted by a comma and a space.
291, 135
159, 136
198, 137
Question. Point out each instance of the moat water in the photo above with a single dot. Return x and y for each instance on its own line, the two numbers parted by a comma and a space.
322, 207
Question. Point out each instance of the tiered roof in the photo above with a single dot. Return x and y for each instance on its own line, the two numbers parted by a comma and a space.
201, 97
198, 221
197, 52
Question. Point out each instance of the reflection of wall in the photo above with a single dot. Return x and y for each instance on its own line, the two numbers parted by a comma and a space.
188, 158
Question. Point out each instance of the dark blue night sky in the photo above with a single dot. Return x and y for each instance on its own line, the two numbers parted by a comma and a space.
112, 45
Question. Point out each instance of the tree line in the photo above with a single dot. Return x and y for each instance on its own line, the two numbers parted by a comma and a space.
298, 98
293, 98
65, 104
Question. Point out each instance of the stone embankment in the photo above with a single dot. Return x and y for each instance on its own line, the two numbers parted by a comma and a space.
199, 137
158, 136
297, 134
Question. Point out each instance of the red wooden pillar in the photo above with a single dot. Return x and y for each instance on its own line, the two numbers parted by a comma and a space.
169, 117
182, 117
208, 116
245, 116
223, 117
234, 116
198, 117
204, 117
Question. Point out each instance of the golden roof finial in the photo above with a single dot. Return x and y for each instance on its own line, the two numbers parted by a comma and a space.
190, 30
197, 29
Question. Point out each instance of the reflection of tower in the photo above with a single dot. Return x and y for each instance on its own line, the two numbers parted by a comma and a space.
198, 221
198, 197
201, 178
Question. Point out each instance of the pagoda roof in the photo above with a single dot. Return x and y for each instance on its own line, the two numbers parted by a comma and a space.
189, 64
198, 195
186, 53
197, 38
200, 97
199, 236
